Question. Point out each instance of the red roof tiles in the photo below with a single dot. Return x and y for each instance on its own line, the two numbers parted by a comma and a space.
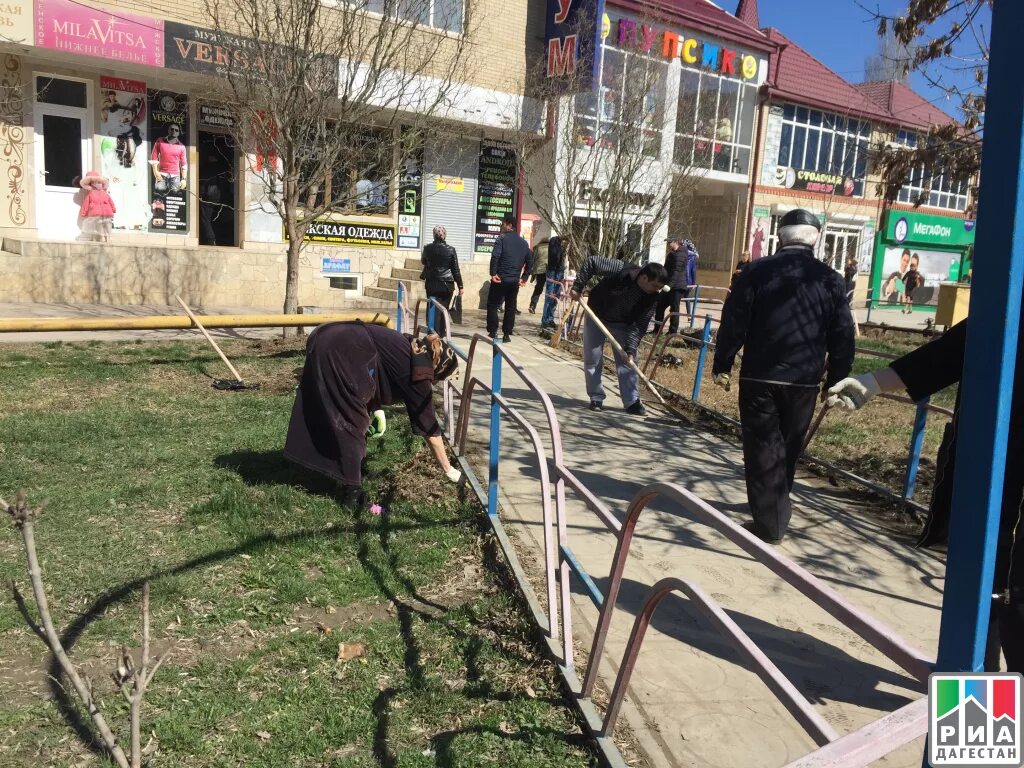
746, 12
704, 15
905, 105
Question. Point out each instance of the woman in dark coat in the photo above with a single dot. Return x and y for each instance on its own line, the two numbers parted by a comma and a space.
441, 274
351, 371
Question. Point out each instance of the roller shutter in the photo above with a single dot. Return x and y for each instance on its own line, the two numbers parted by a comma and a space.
455, 209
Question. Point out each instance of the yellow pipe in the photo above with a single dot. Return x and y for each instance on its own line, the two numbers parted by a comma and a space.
170, 322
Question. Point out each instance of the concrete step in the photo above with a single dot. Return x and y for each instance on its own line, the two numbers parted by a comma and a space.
411, 264
389, 295
409, 275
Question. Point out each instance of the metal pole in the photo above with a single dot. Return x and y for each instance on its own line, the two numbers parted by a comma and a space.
692, 308
495, 428
400, 310
987, 384
868, 318
701, 357
914, 455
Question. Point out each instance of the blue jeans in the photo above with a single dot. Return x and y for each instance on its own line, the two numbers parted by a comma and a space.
593, 362
553, 290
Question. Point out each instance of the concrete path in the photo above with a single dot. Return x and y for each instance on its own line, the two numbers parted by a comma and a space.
692, 701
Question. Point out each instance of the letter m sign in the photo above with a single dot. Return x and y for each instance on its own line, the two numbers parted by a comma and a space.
561, 56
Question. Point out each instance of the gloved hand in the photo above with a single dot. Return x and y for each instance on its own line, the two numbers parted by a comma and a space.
853, 392
378, 425
723, 380
453, 474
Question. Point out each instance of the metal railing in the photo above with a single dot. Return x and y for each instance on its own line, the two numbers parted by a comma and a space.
856, 749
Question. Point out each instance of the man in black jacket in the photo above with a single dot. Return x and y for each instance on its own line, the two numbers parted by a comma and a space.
441, 274
511, 261
786, 311
624, 301
675, 265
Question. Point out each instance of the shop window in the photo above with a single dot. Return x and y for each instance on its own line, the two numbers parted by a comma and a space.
824, 142
440, 14
715, 122
67, 93
359, 182
933, 188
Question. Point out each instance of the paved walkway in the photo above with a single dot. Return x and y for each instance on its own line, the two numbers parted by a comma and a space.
692, 701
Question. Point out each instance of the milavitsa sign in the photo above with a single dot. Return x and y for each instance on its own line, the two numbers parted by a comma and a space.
926, 229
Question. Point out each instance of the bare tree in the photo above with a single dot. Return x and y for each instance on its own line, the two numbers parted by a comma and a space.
888, 62
320, 91
602, 179
948, 43
133, 679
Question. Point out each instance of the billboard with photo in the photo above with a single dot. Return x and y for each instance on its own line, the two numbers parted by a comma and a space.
934, 266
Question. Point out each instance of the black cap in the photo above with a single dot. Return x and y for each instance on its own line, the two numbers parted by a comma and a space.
800, 216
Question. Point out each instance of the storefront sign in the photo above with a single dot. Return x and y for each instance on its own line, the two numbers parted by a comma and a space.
62, 25
408, 231
332, 266
572, 35
496, 191
905, 227
812, 181
16, 21
410, 192
450, 184
124, 150
215, 116
330, 232
168, 162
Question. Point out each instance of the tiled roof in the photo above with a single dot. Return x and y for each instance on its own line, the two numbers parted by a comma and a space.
702, 14
798, 76
905, 105
746, 12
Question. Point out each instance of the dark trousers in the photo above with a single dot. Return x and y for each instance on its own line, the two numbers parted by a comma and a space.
444, 298
774, 421
499, 293
538, 289
669, 300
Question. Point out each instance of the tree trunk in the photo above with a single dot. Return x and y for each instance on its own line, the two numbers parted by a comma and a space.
291, 285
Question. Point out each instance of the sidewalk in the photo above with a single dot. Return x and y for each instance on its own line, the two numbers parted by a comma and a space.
692, 702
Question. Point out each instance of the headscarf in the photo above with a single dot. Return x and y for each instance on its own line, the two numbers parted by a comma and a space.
432, 359
440, 233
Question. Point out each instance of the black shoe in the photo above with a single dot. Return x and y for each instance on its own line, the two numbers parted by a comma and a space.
351, 496
758, 531
533, 309
636, 409
506, 338
596, 405
518, 312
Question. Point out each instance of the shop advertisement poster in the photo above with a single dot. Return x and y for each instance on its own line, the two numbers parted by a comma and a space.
168, 162
496, 192
760, 226
216, 116
16, 21
410, 202
124, 150
934, 267
63, 25
332, 266
329, 232
813, 181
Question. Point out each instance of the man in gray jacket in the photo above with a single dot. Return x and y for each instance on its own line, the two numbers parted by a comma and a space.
511, 262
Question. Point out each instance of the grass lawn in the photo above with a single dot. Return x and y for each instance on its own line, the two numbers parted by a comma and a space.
257, 575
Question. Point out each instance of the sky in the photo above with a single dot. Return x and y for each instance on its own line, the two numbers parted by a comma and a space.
841, 36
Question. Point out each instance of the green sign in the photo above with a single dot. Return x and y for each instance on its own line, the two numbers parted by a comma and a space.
762, 211
924, 229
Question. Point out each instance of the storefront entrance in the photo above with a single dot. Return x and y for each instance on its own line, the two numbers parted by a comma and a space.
218, 189
62, 151
840, 244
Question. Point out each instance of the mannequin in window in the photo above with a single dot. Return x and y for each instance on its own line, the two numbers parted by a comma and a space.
169, 161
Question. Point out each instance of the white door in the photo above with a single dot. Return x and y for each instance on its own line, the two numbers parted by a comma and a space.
62, 155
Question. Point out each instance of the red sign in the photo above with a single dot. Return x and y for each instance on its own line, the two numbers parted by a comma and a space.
75, 28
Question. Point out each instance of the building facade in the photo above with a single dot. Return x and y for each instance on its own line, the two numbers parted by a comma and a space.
118, 89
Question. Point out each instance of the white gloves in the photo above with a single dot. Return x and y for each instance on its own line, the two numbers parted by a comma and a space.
378, 425
453, 474
723, 380
853, 392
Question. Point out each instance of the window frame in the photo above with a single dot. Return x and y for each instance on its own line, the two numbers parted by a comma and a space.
806, 127
388, 182
428, 25
941, 194
697, 143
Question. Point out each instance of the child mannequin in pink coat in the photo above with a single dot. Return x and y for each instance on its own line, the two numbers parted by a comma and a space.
98, 208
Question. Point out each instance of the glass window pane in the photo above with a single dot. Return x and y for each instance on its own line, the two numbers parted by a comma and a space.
788, 111
815, 117
785, 144
448, 15
611, 83
811, 156
828, 120
862, 159
684, 151
801, 114
744, 133
740, 160
69, 93
799, 141
838, 149
686, 110
62, 150
708, 109
722, 160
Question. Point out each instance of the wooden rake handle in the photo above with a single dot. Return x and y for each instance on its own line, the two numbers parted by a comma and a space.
209, 338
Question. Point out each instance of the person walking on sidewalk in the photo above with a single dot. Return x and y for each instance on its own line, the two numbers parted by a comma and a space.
675, 265
624, 301
511, 262
554, 276
441, 274
786, 311
540, 269
921, 373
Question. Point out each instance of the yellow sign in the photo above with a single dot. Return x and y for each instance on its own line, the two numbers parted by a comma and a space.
16, 21
606, 26
451, 184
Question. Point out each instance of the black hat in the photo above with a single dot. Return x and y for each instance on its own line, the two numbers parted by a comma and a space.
800, 216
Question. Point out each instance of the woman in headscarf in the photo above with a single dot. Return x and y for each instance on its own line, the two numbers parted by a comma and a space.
351, 371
